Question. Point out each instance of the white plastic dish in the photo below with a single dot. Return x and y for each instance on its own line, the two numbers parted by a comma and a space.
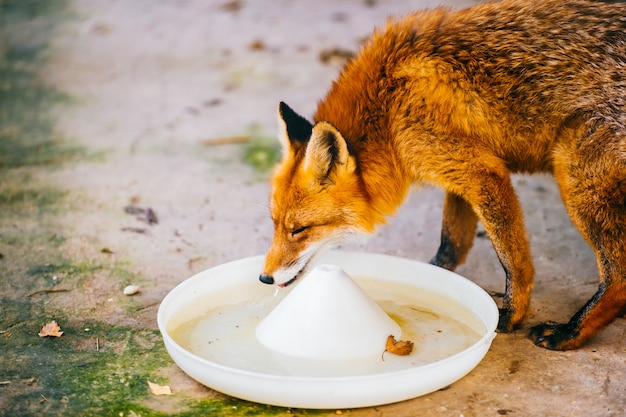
236, 283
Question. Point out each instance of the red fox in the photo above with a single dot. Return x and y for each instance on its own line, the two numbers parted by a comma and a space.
461, 100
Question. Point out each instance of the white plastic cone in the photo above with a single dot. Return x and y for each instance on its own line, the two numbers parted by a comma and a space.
329, 317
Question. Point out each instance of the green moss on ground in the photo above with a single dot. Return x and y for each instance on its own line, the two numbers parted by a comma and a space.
94, 368
27, 136
261, 152
223, 408
90, 370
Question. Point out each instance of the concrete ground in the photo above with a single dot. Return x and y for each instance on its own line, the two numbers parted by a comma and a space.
172, 106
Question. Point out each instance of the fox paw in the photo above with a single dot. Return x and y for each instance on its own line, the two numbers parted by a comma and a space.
554, 336
443, 261
506, 323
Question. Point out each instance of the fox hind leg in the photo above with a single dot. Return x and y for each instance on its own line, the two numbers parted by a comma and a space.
457, 232
593, 187
605, 305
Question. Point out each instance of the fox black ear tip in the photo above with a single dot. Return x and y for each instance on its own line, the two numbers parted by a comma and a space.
266, 279
282, 107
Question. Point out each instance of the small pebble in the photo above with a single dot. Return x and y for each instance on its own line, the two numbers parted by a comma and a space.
131, 289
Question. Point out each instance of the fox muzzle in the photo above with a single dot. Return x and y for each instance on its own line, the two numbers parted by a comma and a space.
266, 279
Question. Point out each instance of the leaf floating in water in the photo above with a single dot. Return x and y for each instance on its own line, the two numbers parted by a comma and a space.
398, 347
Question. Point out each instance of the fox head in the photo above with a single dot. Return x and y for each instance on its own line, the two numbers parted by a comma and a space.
318, 198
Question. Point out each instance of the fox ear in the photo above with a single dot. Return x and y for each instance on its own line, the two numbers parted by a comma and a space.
295, 130
327, 154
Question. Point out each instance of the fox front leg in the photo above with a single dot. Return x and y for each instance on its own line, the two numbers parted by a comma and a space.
457, 232
489, 192
499, 210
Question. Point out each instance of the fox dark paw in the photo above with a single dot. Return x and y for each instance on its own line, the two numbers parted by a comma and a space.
443, 262
554, 336
505, 323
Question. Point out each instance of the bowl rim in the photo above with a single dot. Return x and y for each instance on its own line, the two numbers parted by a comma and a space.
486, 338
264, 385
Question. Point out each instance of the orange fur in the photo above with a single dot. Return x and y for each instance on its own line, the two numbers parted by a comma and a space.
461, 100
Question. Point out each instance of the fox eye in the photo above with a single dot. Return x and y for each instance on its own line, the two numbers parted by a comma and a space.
299, 230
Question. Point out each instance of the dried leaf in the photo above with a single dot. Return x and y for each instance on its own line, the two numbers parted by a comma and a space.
134, 230
132, 209
337, 54
232, 6
400, 347
144, 214
157, 389
226, 140
51, 329
151, 216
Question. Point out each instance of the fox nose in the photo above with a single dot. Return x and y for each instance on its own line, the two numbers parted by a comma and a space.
266, 279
